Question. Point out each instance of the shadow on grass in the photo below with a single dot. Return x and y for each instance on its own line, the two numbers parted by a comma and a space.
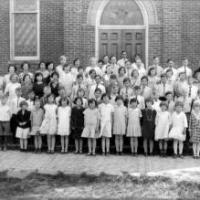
42, 183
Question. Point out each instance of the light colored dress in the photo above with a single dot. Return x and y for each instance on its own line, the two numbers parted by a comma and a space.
134, 128
163, 121
49, 124
36, 121
91, 117
64, 114
11, 90
179, 123
106, 111
120, 113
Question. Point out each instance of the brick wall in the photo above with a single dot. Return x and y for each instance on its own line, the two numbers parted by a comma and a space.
51, 29
4, 36
191, 31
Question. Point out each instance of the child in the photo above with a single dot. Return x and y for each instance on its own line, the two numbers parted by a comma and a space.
148, 126
62, 94
153, 78
4, 123
49, 124
77, 124
121, 76
106, 118
146, 91
30, 100
77, 86
46, 93
194, 129
119, 125
38, 85
11, 88
134, 127
23, 125
26, 85
91, 126
37, 116
135, 78
178, 131
170, 101
54, 83
64, 114
163, 86
163, 122
81, 94
67, 80
14, 108
97, 96
126, 91
114, 93
97, 85
139, 98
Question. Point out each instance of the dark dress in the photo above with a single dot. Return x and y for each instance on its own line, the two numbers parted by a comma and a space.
23, 118
38, 89
148, 123
77, 122
54, 88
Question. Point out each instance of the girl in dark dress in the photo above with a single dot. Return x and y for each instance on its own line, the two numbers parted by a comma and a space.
77, 124
148, 127
38, 85
54, 84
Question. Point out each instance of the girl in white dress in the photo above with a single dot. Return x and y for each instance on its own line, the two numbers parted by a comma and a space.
106, 118
119, 125
49, 124
91, 123
64, 114
178, 131
37, 115
162, 122
134, 127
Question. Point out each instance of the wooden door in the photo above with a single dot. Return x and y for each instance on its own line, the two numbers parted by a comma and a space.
112, 42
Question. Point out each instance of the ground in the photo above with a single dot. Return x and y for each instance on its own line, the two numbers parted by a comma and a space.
69, 176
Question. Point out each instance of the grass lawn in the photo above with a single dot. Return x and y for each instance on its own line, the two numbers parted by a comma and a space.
59, 187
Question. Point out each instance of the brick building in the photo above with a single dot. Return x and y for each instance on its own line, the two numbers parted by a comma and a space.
37, 30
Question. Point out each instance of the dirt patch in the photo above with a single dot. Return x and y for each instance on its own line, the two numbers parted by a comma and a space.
53, 187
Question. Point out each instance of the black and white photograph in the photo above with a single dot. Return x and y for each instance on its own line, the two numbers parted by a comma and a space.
99, 99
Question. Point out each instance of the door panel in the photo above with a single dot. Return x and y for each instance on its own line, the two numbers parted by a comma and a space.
112, 42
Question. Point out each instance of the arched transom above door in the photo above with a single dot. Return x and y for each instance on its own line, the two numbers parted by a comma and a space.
96, 5
118, 12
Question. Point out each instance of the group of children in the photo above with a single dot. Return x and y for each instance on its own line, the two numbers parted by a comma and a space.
106, 99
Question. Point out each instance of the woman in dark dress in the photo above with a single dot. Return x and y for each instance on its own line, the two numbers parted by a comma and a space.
148, 127
77, 124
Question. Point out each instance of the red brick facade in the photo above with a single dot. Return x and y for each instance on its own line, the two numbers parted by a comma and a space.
64, 29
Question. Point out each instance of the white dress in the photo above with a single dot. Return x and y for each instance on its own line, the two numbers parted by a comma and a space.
11, 90
120, 114
179, 122
134, 128
106, 111
163, 121
64, 114
49, 124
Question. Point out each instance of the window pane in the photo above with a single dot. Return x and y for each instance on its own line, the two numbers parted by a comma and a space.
25, 5
25, 34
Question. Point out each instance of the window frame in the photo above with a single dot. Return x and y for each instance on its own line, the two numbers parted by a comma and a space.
12, 32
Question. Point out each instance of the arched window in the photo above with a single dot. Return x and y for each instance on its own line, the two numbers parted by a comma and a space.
122, 12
